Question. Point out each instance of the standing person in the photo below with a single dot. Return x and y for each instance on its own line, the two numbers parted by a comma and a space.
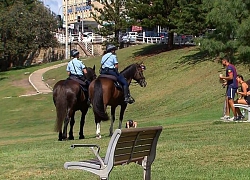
244, 98
109, 65
232, 86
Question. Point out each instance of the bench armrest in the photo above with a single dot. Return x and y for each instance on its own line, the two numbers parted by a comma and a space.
84, 145
92, 146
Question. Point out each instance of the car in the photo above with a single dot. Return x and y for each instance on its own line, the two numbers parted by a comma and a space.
129, 37
163, 36
87, 37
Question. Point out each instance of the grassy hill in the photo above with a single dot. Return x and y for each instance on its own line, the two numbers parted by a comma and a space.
183, 95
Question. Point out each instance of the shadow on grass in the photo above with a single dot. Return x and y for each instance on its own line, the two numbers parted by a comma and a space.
154, 49
3, 76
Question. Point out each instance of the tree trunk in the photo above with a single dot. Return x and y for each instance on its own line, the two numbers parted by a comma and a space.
170, 40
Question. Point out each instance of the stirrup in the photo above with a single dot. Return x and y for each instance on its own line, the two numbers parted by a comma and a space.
129, 100
89, 103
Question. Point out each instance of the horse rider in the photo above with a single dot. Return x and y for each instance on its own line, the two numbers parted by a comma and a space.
109, 65
76, 69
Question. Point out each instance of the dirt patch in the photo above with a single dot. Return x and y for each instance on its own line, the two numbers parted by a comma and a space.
25, 84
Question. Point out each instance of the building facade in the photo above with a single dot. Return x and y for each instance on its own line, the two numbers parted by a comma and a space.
79, 14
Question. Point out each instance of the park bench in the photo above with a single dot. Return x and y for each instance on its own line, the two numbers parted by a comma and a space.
125, 146
244, 106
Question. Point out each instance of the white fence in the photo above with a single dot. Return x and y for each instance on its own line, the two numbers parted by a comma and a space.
95, 38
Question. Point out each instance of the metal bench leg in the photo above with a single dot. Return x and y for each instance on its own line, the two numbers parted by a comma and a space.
146, 168
248, 115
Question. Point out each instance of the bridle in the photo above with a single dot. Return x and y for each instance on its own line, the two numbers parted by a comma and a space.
139, 73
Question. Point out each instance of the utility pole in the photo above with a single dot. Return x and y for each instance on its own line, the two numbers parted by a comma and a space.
66, 28
82, 17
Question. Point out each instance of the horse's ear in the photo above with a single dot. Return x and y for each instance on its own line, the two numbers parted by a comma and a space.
94, 67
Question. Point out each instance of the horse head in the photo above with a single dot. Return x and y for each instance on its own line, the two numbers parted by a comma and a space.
91, 73
138, 76
135, 72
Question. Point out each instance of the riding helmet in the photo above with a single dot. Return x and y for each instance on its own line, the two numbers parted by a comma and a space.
110, 47
74, 52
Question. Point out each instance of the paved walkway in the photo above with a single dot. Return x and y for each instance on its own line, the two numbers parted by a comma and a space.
36, 79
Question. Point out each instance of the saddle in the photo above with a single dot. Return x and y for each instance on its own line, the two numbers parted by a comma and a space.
116, 83
83, 84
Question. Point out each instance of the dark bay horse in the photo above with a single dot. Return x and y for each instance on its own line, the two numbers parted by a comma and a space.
69, 97
103, 92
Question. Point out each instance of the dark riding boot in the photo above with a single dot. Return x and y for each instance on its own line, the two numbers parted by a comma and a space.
127, 97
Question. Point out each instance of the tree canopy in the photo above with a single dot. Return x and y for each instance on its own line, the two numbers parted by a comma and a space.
25, 26
112, 18
230, 22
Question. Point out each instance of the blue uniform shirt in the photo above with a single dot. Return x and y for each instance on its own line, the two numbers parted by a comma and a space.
109, 61
75, 67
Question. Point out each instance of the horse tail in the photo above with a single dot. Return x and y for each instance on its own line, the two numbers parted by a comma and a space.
97, 101
60, 101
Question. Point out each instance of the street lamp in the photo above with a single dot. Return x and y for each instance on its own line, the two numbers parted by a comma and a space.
66, 33
82, 17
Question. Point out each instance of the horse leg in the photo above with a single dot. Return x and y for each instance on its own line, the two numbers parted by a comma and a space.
123, 107
112, 120
98, 127
72, 123
82, 122
60, 138
66, 122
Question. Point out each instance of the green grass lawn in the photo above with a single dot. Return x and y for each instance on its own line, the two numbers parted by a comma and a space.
183, 95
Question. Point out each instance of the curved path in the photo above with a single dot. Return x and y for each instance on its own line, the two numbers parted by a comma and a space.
36, 79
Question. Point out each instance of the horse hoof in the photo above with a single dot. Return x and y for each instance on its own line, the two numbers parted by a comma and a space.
98, 136
71, 138
59, 139
81, 137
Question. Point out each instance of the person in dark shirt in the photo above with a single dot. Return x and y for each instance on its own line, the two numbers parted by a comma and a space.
232, 86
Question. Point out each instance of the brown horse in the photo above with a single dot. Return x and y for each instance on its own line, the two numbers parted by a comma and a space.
103, 92
69, 97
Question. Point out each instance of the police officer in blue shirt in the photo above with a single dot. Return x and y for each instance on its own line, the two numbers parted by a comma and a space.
75, 68
109, 65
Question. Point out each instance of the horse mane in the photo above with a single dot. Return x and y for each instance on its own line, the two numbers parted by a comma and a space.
128, 69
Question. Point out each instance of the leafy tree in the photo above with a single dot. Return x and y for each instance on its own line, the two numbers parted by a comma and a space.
111, 17
230, 36
150, 14
25, 26
189, 17
180, 16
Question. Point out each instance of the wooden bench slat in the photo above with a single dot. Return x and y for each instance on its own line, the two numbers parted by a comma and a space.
121, 162
135, 155
131, 143
136, 149
141, 136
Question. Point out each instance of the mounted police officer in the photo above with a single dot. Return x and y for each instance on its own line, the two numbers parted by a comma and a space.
109, 65
76, 69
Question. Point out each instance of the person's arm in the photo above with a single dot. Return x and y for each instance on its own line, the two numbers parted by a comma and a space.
127, 124
135, 124
230, 75
116, 66
68, 69
244, 90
